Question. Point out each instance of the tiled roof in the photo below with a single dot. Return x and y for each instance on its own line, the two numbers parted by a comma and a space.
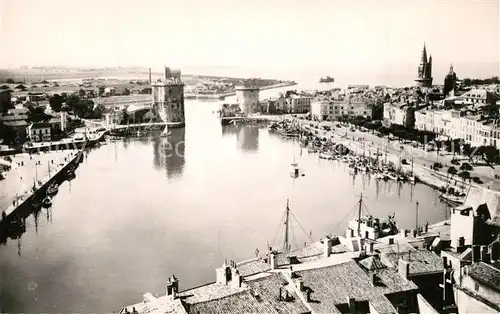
252, 266
372, 263
268, 288
394, 248
392, 282
334, 285
242, 302
208, 292
309, 252
159, 306
421, 261
486, 273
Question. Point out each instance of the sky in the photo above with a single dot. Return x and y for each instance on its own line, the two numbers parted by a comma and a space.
374, 37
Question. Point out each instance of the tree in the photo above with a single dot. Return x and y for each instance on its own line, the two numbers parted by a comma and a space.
452, 171
465, 175
37, 114
81, 93
466, 167
99, 111
56, 102
7, 134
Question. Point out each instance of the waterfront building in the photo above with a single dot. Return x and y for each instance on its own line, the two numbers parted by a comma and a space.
273, 105
297, 103
168, 97
40, 131
230, 110
327, 109
399, 114
248, 98
450, 81
424, 78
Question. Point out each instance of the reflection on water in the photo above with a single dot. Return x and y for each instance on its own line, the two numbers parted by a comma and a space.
169, 152
248, 138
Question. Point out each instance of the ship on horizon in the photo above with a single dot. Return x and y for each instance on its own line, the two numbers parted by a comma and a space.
327, 79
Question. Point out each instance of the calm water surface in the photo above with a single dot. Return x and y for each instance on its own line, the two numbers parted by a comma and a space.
138, 212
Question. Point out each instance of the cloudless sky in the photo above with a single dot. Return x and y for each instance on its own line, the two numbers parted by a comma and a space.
278, 35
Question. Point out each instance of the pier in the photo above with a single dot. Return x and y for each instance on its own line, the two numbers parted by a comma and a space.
29, 177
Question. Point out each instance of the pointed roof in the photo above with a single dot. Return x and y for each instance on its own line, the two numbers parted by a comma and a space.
424, 56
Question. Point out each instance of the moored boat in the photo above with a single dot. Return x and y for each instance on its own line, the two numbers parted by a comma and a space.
52, 189
452, 200
47, 202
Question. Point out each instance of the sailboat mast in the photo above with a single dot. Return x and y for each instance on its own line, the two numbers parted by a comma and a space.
287, 222
359, 214
416, 216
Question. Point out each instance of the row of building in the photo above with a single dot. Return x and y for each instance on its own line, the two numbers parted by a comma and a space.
446, 268
470, 117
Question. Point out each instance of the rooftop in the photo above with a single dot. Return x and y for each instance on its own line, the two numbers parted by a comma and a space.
421, 261
488, 274
333, 286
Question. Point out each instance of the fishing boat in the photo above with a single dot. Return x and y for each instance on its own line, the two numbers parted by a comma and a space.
368, 227
52, 189
452, 200
36, 203
47, 202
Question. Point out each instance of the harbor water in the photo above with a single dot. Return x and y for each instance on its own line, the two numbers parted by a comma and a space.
140, 210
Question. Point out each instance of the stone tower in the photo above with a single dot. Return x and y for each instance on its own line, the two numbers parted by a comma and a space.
424, 78
450, 81
168, 98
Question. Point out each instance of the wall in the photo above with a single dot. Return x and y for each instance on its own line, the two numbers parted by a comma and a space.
424, 306
481, 289
468, 304
462, 226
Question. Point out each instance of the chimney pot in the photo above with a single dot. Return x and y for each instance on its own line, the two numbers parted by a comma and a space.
327, 246
485, 257
404, 268
300, 284
273, 261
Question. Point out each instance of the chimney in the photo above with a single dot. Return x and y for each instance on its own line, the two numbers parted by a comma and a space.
391, 240
149, 70
280, 297
327, 246
445, 262
460, 244
273, 261
414, 232
485, 257
172, 287
221, 273
494, 251
299, 284
372, 244
236, 280
475, 253
402, 232
352, 305
308, 295
404, 268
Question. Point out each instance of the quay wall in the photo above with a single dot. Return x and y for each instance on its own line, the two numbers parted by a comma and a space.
24, 207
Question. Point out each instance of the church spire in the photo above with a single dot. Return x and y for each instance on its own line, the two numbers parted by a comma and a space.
424, 56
